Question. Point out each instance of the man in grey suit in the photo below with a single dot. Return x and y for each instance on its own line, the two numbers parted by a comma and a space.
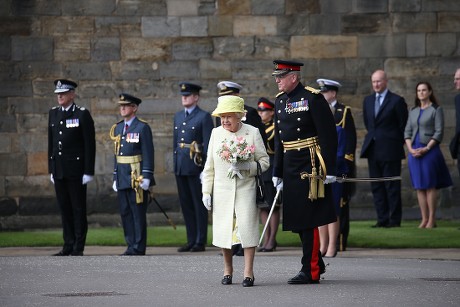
385, 116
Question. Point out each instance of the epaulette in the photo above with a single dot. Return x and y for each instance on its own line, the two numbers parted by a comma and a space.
56, 107
80, 107
279, 94
141, 120
313, 90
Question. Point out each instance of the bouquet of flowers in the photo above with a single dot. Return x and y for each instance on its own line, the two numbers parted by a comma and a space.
237, 152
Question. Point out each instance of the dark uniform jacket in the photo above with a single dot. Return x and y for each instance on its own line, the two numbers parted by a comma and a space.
197, 127
270, 146
71, 143
302, 114
386, 131
138, 141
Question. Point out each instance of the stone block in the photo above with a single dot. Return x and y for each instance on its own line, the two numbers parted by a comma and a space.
20, 186
99, 89
187, 69
13, 164
325, 24
333, 6
233, 47
37, 163
33, 206
160, 26
118, 26
207, 8
215, 69
87, 71
39, 70
10, 26
303, 7
333, 68
322, 46
105, 49
67, 25
30, 143
5, 48
8, 207
188, 49
415, 45
220, 25
382, 46
365, 23
36, 7
142, 88
362, 66
293, 25
182, 8
440, 6
5, 8
143, 49
405, 6
5, 142
441, 44
370, 6
414, 22
134, 70
267, 7
72, 48
140, 8
448, 21
7, 123
32, 123
88, 7
402, 68
254, 25
271, 47
31, 48
194, 26
251, 70
233, 7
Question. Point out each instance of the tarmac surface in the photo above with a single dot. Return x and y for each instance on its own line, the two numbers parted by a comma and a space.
164, 277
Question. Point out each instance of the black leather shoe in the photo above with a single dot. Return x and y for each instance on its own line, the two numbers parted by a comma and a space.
248, 282
62, 253
379, 225
335, 254
197, 248
185, 248
227, 280
74, 253
301, 278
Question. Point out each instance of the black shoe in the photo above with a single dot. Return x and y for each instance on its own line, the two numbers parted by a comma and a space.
248, 282
335, 254
128, 253
74, 253
301, 278
379, 225
62, 253
185, 248
393, 225
227, 280
197, 248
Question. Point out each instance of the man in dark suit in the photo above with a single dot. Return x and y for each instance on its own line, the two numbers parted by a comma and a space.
385, 116
455, 143
71, 153
133, 172
192, 130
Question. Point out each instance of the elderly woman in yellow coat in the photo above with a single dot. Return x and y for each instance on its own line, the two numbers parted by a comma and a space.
229, 176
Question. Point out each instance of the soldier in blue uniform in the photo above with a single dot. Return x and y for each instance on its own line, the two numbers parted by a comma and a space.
192, 130
305, 157
344, 119
133, 172
71, 153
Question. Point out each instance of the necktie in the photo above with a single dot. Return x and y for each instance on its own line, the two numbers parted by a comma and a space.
377, 105
186, 113
126, 128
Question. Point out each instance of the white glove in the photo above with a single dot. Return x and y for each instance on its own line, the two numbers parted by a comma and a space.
240, 166
114, 186
52, 178
207, 201
145, 184
330, 179
201, 177
277, 183
86, 179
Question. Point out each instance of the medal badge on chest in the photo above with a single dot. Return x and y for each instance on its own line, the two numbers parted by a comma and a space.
296, 106
132, 137
71, 123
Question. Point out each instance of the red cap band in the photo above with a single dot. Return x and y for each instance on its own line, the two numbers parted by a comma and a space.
285, 66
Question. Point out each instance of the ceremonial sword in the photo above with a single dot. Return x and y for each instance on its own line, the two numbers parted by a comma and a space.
167, 217
269, 215
343, 179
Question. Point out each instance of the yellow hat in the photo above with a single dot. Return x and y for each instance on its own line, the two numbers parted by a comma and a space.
229, 104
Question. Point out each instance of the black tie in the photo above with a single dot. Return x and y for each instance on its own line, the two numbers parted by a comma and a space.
186, 113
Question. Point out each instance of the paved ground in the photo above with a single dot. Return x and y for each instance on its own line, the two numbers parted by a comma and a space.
358, 277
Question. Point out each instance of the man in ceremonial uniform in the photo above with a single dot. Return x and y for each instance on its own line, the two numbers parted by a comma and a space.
343, 118
192, 130
71, 156
133, 172
305, 155
454, 145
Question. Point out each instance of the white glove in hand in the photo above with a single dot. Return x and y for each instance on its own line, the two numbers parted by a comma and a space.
86, 179
330, 179
201, 177
114, 186
277, 183
207, 201
241, 166
52, 178
145, 184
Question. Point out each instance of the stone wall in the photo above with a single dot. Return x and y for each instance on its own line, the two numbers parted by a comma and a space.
145, 47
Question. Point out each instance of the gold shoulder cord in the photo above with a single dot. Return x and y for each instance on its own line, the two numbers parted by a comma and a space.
313, 90
116, 139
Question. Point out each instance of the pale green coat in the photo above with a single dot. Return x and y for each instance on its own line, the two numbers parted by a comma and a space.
233, 196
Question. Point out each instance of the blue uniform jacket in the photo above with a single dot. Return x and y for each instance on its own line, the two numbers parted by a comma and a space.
138, 141
197, 126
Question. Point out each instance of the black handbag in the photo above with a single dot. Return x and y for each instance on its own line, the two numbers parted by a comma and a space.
260, 189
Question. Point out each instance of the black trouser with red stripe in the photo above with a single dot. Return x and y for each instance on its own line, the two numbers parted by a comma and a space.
311, 258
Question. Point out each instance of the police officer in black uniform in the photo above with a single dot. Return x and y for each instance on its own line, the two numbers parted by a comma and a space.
305, 155
343, 118
192, 130
133, 172
71, 152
